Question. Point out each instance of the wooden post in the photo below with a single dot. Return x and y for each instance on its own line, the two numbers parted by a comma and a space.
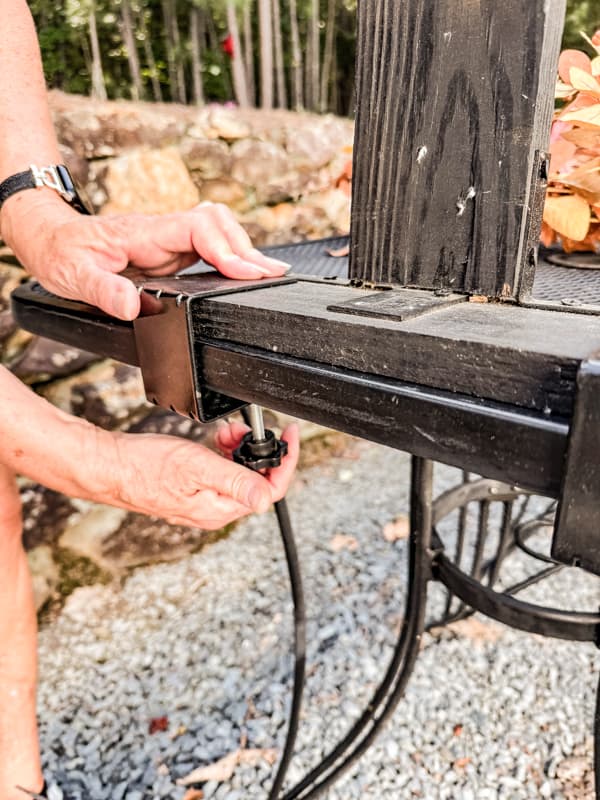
454, 103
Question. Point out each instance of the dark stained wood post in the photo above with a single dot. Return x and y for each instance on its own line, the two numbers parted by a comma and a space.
454, 103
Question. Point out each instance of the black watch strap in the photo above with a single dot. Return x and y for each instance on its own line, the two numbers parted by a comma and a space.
56, 177
16, 183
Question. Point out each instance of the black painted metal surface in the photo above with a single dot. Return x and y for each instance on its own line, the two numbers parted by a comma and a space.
577, 535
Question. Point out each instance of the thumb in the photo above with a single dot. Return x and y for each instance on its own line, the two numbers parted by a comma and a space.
114, 294
240, 483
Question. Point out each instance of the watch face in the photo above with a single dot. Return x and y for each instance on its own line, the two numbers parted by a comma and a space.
77, 197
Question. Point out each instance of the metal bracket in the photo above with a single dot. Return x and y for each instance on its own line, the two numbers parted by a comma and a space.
165, 342
398, 304
577, 533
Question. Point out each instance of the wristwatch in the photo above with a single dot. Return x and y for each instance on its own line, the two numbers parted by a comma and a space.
55, 176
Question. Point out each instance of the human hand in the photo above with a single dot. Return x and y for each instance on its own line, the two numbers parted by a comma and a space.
164, 476
188, 484
79, 257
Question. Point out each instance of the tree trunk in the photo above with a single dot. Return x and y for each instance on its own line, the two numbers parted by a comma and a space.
137, 87
237, 60
313, 57
279, 68
150, 60
170, 48
173, 44
249, 51
195, 37
181, 92
328, 56
98, 85
297, 93
266, 53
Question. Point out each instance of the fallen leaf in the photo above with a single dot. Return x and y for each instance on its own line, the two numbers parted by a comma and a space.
472, 628
158, 725
193, 794
569, 216
461, 763
178, 732
478, 298
223, 769
342, 542
457, 730
256, 755
343, 251
397, 530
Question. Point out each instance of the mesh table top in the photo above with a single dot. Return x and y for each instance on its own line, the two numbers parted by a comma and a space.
567, 287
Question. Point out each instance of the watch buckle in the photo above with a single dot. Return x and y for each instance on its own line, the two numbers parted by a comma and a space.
49, 177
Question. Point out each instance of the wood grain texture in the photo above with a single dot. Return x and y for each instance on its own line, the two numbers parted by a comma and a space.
524, 357
454, 99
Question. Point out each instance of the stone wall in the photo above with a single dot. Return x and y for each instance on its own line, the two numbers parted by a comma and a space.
285, 177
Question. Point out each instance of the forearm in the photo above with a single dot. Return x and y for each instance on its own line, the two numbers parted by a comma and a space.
43, 443
27, 134
27, 131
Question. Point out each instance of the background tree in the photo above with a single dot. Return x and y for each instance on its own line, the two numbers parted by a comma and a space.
292, 53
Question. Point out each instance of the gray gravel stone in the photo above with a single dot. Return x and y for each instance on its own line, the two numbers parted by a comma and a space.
205, 642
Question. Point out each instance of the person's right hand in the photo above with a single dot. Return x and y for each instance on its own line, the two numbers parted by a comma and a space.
164, 476
188, 484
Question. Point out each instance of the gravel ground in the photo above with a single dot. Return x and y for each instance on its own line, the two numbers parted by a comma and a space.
202, 648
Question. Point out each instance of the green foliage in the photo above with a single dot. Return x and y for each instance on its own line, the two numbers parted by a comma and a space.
582, 15
64, 36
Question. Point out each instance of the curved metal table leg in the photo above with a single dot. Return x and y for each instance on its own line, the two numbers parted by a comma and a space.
391, 689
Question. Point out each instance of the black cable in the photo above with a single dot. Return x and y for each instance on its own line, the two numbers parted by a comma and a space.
293, 564
391, 689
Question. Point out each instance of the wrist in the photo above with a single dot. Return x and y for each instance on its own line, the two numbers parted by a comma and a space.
25, 216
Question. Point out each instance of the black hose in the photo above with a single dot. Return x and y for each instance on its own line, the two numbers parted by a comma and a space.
293, 565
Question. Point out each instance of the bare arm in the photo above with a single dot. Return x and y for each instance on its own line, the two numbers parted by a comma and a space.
165, 476
77, 256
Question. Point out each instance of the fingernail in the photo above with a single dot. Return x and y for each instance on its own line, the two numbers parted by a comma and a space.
282, 264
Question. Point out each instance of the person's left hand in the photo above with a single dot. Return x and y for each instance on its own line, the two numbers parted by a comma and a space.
79, 257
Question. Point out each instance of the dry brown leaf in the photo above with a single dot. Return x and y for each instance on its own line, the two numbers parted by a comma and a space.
589, 115
223, 769
256, 755
585, 180
583, 81
397, 530
461, 763
220, 771
569, 216
472, 628
343, 251
562, 154
193, 794
343, 542
573, 58
588, 138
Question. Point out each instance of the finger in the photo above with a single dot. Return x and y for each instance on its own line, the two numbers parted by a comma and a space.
234, 481
210, 510
84, 281
280, 477
210, 238
241, 244
229, 436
